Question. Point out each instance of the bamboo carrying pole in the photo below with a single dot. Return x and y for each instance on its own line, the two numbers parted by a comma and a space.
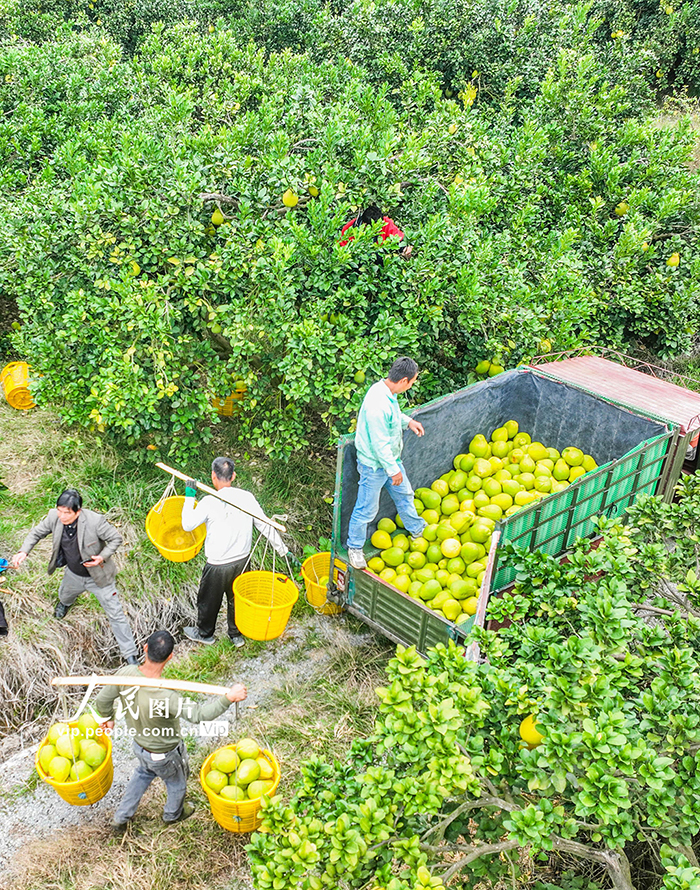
212, 491
176, 685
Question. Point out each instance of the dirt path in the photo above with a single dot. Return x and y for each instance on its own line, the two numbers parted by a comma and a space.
29, 815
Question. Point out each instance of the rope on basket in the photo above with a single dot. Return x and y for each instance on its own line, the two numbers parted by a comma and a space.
280, 518
170, 491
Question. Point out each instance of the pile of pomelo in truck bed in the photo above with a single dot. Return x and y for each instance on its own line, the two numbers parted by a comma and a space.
240, 772
494, 480
72, 753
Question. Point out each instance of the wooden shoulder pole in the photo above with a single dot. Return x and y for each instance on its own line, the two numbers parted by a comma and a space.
125, 680
212, 491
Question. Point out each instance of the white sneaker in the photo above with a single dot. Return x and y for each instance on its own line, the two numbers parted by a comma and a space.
356, 558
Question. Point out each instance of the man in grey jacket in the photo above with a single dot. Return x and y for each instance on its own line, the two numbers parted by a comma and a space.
84, 543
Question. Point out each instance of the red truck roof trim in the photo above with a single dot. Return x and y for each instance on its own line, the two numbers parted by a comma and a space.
644, 393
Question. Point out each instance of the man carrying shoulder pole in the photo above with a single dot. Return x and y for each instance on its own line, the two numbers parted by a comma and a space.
153, 719
227, 546
379, 442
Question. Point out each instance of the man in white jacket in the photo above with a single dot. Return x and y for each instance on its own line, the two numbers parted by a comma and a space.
227, 547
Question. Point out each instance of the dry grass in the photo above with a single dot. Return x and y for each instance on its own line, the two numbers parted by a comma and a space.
195, 855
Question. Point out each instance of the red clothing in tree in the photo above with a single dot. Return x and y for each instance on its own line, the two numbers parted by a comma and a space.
388, 229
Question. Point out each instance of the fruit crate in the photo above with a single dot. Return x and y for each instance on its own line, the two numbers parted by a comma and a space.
630, 450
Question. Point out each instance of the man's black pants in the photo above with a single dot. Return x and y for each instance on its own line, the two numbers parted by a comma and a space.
215, 582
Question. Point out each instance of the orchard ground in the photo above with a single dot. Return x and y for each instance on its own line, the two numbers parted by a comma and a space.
311, 692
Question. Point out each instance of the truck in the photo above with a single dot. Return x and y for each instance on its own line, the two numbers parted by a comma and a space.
641, 429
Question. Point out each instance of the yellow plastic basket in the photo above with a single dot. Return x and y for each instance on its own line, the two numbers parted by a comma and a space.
230, 405
165, 531
314, 568
263, 604
240, 816
86, 791
15, 383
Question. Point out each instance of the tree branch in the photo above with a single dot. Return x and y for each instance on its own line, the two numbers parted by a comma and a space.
217, 196
465, 807
477, 852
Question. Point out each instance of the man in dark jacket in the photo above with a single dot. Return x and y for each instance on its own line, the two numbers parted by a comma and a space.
84, 543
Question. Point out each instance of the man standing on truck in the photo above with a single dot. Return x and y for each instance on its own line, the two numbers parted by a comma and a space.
84, 542
153, 720
227, 547
379, 441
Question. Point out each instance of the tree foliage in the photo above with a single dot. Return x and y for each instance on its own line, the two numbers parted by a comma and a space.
604, 652
137, 310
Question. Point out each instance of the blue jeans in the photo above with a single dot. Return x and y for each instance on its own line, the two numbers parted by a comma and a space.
367, 504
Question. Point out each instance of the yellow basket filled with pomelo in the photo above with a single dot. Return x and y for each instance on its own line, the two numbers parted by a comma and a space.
316, 574
76, 759
234, 778
15, 383
165, 531
264, 603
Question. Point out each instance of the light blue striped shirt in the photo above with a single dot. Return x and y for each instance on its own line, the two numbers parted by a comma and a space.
380, 426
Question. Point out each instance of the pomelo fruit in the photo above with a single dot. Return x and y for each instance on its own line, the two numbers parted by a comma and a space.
537, 451
458, 480
491, 511
56, 730
419, 545
402, 583
88, 725
473, 483
511, 428
381, 540
430, 517
450, 547
459, 521
59, 768
512, 487
415, 589
440, 488
386, 525
247, 749
46, 755
561, 470
456, 565
500, 434
482, 469
469, 605
469, 552
491, 487
460, 589
376, 564
434, 553
388, 575
248, 771
527, 480
79, 771
233, 792
404, 569
588, 463
424, 574
479, 533
450, 504
431, 499
258, 788
576, 473
216, 780
543, 483
573, 456
226, 760
393, 556
529, 732
500, 450
93, 753
451, 608
527, 464
68, 746
431, 589
416, 559
467, 463
478, 446
502, 500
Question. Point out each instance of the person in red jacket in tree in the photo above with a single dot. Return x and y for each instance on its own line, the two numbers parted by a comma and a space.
371, 215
